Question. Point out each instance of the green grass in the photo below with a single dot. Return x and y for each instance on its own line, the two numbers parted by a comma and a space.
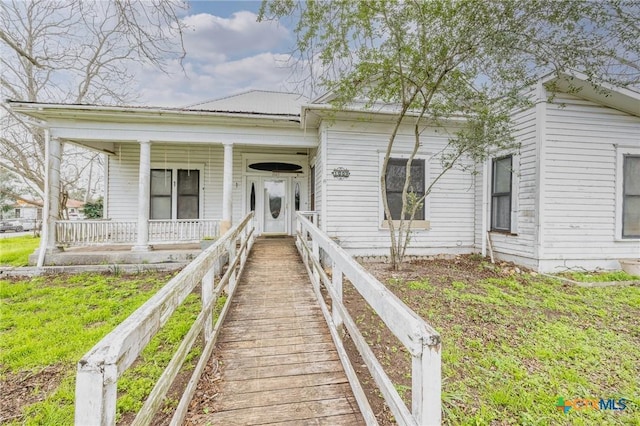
513, 345
15, 251
54, 321
600, 276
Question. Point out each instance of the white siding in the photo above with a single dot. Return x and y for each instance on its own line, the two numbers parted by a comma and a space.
520, 245
579, 172
123, 175
122, 188
354, 204
320, 176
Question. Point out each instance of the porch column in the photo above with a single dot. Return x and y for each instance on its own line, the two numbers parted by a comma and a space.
144, 189
227, 189
53, 155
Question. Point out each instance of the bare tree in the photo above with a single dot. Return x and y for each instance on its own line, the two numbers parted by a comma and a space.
76, 52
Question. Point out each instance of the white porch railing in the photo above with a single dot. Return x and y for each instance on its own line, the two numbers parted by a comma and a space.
183, 230
94, 232
100, 368
420, 339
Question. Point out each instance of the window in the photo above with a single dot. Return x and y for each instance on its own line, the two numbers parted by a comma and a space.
501, 194
17, 214
395, 177
161, 182
188, 194
312, 187
631, 196
183, 203
252, 197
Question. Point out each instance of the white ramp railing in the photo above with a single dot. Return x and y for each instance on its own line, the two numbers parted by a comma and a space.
100, 368
420, 339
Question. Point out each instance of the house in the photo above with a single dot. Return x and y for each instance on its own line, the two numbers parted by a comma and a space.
27, 210
574, 196
31, 210
75, 209
568, 198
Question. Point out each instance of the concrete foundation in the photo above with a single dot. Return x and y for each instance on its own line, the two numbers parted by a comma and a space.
121, 255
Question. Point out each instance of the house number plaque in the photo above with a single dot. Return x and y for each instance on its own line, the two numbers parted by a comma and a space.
341, 173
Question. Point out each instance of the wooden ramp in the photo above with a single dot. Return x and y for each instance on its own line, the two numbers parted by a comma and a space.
277, 360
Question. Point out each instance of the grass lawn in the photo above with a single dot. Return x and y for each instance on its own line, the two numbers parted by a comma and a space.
600, 276
514, 343
15, 251
48, 323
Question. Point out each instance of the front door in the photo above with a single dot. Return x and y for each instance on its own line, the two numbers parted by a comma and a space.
275, 206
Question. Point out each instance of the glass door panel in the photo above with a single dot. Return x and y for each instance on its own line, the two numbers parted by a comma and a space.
275, 206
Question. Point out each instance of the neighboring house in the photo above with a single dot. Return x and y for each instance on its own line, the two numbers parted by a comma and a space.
570, 197
24, 210
75, 209
32, 210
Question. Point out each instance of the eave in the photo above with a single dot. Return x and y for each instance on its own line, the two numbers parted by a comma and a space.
101, 127
578, 84
47, 112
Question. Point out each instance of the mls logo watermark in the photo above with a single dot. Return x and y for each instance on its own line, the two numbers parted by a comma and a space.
582, 404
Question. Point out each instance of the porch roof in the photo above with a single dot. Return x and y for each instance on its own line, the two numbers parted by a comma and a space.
100, 127
48, 112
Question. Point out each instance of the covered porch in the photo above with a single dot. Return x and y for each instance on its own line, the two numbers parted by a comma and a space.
176, 176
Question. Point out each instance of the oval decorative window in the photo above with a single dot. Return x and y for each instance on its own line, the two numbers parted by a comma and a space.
252, 200
271, 166
297, 196
275, 205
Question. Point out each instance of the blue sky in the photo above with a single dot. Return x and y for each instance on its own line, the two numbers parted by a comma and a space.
223, 8
228, 52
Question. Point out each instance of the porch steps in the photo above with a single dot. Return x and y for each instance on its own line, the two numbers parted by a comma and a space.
277, 361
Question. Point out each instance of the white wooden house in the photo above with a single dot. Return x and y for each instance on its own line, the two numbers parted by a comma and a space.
573, 200
569, 197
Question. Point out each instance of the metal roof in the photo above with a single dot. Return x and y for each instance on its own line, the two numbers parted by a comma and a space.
255, 102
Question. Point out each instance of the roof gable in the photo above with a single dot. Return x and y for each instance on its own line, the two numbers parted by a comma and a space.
255, 102
623, 99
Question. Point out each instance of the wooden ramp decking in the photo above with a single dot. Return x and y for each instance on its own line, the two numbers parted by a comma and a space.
277, 360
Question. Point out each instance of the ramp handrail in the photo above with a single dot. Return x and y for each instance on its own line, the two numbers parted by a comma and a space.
99, 369
420, 339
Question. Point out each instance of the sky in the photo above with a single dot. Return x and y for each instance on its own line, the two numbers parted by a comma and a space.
227, 52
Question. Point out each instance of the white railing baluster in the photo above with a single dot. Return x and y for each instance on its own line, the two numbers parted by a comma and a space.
99, 370
419, 338
90, 232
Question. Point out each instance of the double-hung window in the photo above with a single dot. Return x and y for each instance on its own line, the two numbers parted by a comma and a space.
175, 194
501, 193
396, 174
631, 196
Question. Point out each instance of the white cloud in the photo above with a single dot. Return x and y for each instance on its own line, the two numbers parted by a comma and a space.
267, 71
224, 56
214, 38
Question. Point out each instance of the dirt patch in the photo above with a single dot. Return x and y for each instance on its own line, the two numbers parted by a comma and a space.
206, 392
26, 388
421, 285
